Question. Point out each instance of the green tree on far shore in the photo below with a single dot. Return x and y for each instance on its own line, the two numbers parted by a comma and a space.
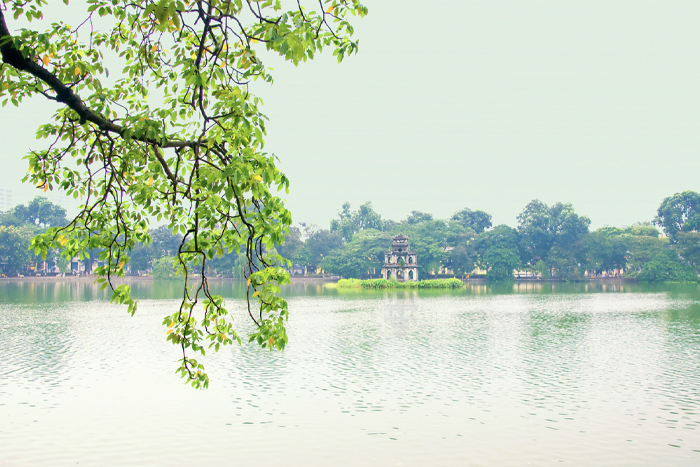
606, 249
163, 269
477, 220
162, 243
552, 234
14, 248
667, 267
349, 222
679, 213
42, 212
498, 252
688, 246
417, 217
26, 221
363, 255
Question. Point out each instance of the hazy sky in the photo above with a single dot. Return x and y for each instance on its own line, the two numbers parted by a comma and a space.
485, 104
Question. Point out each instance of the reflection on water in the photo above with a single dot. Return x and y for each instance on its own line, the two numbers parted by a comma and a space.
586, 374
399, 307
30, 291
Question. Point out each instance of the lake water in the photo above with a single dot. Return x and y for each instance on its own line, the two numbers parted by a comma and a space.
513, 375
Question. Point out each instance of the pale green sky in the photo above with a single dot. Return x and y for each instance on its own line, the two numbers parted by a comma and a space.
484, 104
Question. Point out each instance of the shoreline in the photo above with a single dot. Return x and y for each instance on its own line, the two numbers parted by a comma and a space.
332, 279
92, 277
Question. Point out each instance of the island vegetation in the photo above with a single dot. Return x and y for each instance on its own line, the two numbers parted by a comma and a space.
394, 284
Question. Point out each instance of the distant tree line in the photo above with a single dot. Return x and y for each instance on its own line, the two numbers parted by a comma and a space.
17, 228
21, 223
552, 241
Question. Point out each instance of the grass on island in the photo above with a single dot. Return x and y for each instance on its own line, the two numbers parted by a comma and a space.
394, 284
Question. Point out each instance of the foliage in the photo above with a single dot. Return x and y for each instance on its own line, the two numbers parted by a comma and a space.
37, 215
164, 269
273, 258
239, 265
161, 243
688, 246
606, 249
642, 229
27, 221
88, 259
667, 267
566, 262
430, 240
345, 262
8, 218
394, 284
679, 213
477, 220
610, 248
642, 249
63, 264
498, 253
40, 211
349, 223
14, 248
349, 283
364, 252
543, 227
463, 257
320, 243
292, 244
417, 217
174, 133
543, 269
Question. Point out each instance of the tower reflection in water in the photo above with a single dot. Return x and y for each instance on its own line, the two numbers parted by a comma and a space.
400, 308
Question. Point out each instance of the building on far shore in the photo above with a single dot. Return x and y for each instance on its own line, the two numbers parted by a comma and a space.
400, 262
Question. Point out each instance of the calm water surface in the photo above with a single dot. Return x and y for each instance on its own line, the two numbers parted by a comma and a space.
529, 375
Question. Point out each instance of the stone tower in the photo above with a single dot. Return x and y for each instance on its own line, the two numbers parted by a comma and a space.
400, 263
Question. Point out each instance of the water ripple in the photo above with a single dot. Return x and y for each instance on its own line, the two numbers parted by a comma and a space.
383, 379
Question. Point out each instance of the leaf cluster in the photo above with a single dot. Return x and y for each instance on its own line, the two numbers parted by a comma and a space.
156, 120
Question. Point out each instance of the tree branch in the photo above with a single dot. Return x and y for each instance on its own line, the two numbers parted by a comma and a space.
65, 95
164, 164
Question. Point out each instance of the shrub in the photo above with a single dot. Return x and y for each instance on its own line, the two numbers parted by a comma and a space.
163, 269
394, 284
667, 267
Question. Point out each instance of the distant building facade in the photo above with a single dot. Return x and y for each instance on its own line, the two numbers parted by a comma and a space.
5, 200
400, 263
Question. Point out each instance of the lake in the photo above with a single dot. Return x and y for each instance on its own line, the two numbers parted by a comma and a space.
521, 374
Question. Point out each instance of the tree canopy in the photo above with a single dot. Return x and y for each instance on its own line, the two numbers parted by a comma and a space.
416, 217
679, 213
39, 211
476, 220
157, 119
14, 248
19, 225
542, 228
349, 223
355, 258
